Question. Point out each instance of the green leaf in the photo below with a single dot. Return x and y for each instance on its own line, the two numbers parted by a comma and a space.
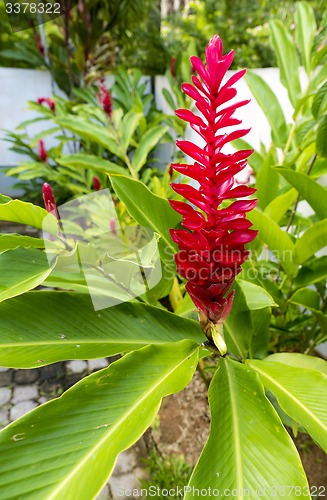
307, 298
256, 297
4, 199
91, 161
311, 191
310, 299
248, 450
321, 143
312, 272
149, 140
46, 327
22, 269
255, 160
312, 240
301, 393
287, 59
9, 241
320, 101
305, 29
31, 215
169, 98
69, 445
270, 106
278, 240
299, 361
267, 181
149, 210
128, 126
279, 206
92, 132
247, 330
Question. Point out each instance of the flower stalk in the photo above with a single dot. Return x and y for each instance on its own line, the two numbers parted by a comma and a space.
212, 245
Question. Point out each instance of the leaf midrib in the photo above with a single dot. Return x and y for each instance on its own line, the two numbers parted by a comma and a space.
119, 423
236, 429
292, 397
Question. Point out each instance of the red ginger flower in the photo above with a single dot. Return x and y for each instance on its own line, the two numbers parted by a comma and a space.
50, 102
42, 151
96, 183
105, 99
212, 247
49, 200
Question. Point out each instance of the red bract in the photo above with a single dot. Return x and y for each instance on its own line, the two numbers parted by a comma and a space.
212, 247
49, 200
105, 99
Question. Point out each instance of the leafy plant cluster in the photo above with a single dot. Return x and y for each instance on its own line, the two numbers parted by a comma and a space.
68, 446
89, 142
91, 38
242, 24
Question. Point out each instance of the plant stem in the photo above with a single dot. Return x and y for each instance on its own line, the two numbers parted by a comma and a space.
202, 374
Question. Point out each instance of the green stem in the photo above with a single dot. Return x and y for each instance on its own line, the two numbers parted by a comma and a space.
202, 374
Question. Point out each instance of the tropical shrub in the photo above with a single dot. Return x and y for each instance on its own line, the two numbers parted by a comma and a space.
288, 173
96, 134
68, 446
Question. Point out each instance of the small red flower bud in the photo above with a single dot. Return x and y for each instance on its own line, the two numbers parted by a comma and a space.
112, 225
42, 151
173, 67
50, 102
96, 183
49, 200
105, 99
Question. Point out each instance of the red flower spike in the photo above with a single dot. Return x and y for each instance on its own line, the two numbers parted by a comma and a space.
212, 245
42, 151
96, 183
49, 200
50, 102
105, 99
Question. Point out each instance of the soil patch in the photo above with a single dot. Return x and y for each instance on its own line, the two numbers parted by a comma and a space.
184, 421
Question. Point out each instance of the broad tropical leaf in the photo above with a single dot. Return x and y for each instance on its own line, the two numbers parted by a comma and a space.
45, 327
301, 393
305, 29
91, 161
256, 297
149, 210
248, 449
287, 59
277, 240
299, 360
321, 145
315, 270
312, 240
269, 104
311, 191
279, 206
92, 132
65, 449
147, 143
26, 213
9, 241
22, 269
128, 126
